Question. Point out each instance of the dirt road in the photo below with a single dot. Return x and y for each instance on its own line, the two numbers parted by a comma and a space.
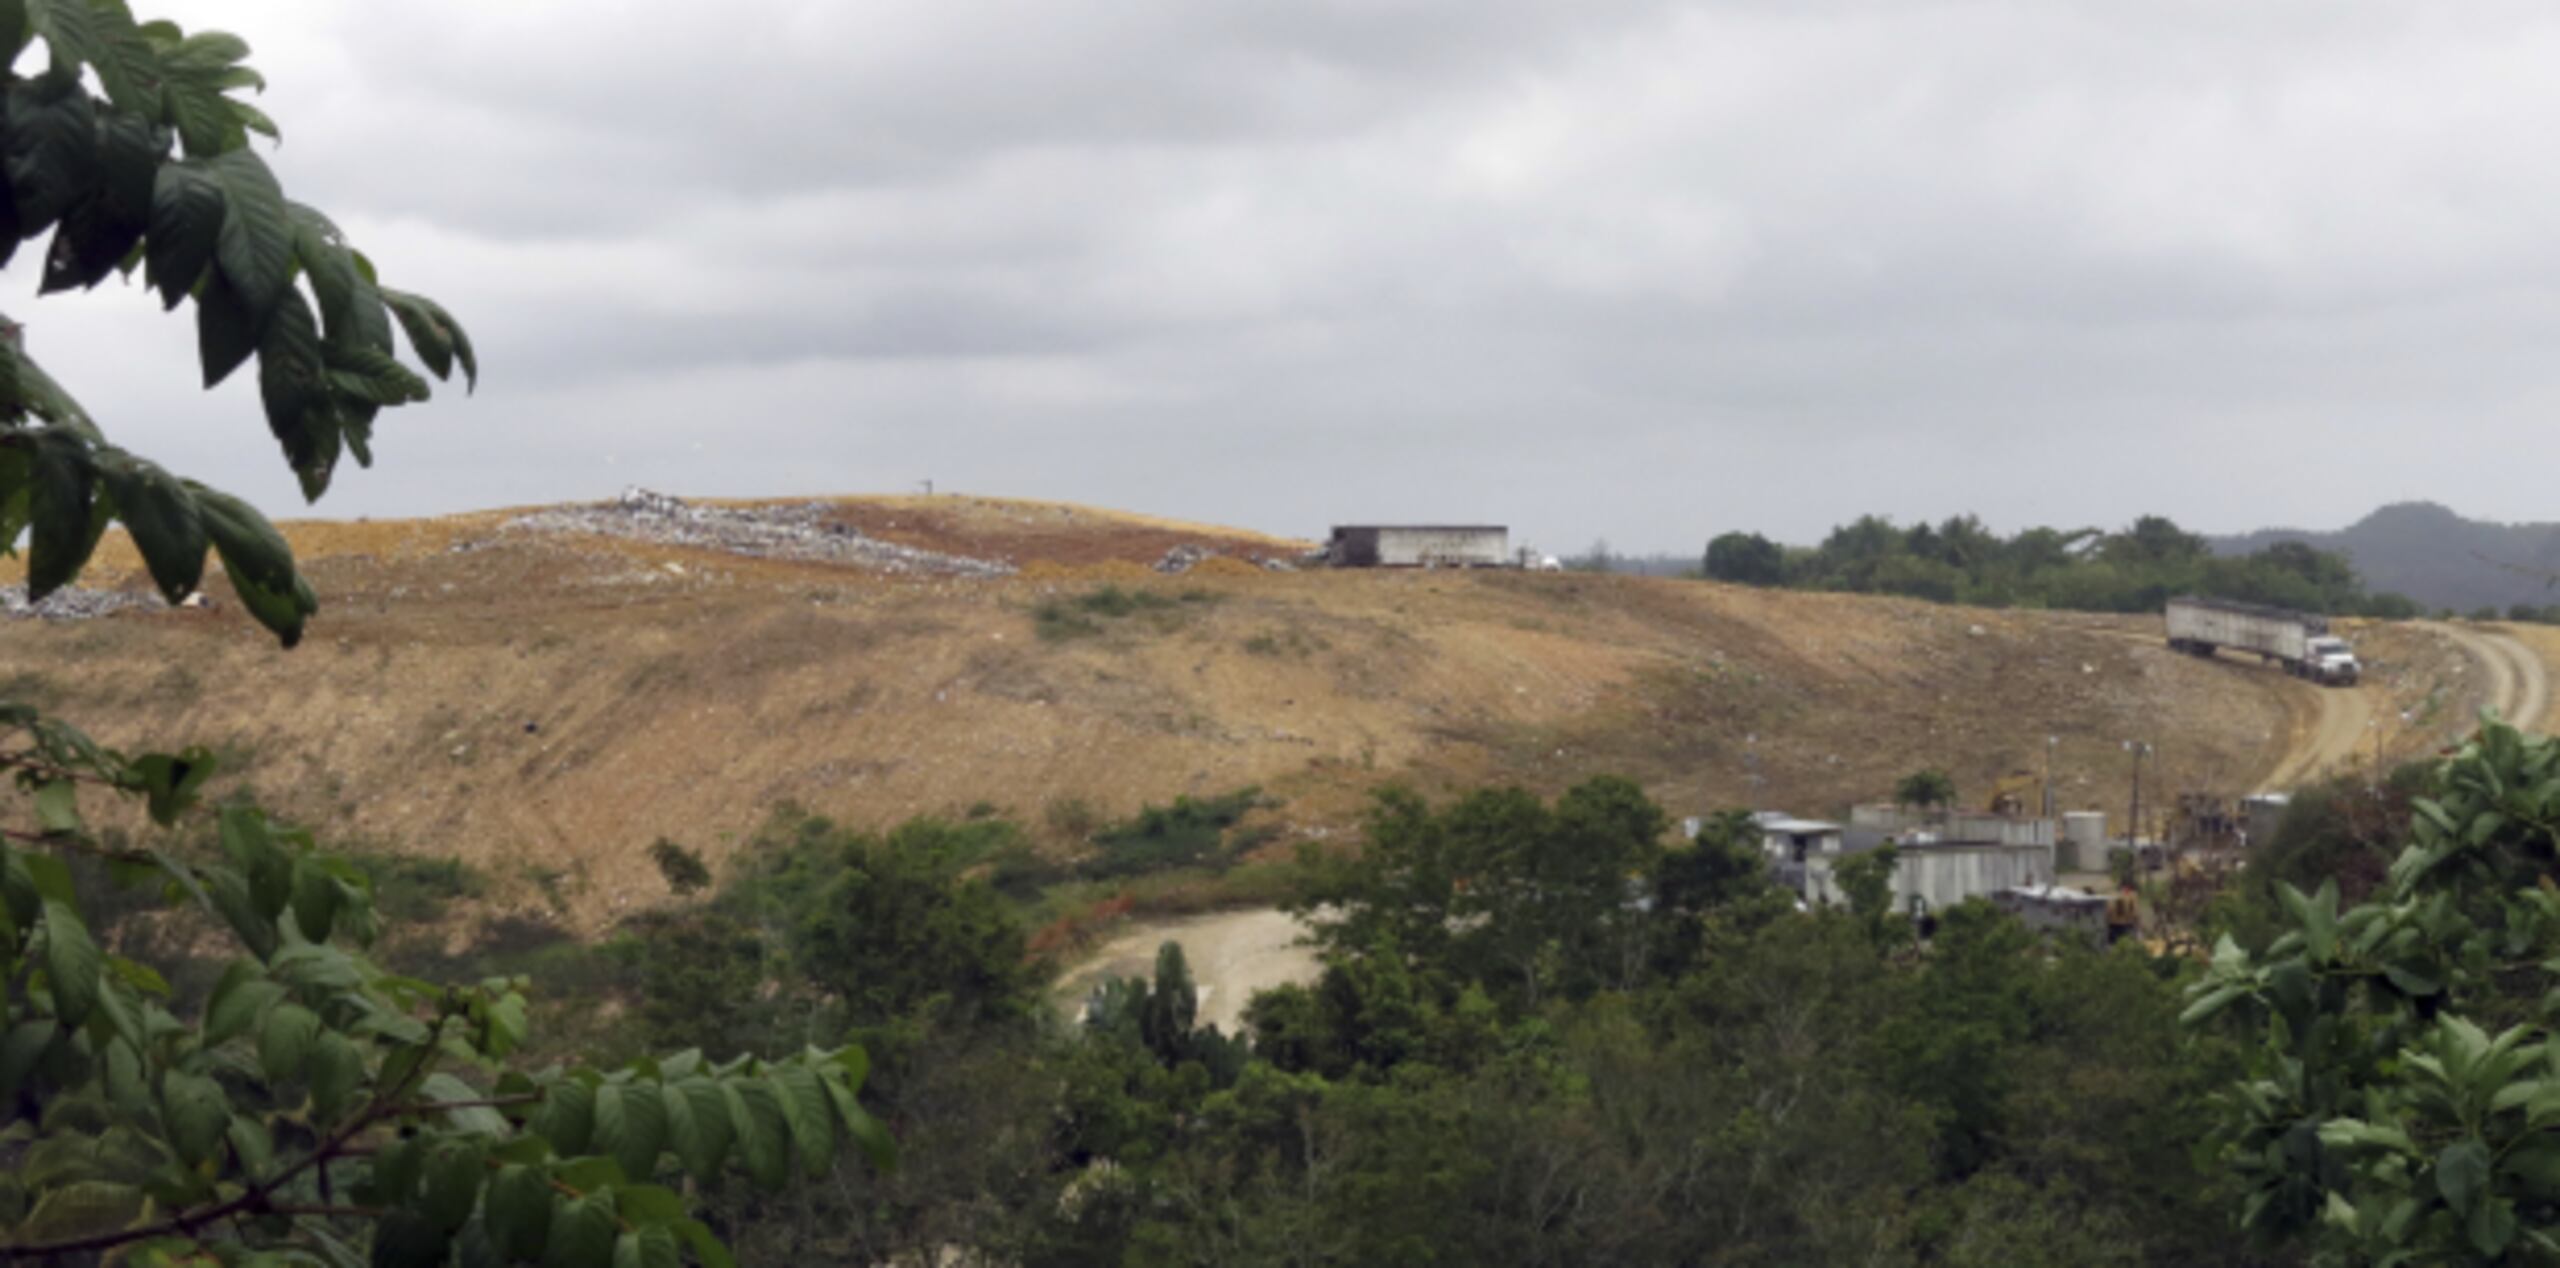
2519, 684
2338, 728
1232, 955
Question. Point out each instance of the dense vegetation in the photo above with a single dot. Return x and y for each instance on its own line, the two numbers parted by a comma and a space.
1961, 561
1540, 1036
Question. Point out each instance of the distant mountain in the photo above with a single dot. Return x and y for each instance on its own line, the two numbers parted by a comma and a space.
2435, 556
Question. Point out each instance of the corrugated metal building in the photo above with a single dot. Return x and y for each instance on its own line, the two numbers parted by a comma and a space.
1931, 875
1419, 546
2053, 909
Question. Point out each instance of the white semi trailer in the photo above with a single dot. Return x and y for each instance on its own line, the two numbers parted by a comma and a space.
2299, 641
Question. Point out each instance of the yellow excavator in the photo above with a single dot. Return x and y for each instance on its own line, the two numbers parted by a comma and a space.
2016, 793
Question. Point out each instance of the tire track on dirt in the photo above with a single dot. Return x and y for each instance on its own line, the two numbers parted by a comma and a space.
2519, 684
2339, 720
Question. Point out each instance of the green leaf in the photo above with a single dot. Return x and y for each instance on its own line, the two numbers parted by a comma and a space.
64, 515
254, 247
706, 1247
764, 1136
243, 993
438, 339
582, 1233
293, 382
866, 1131
225, 335
336, 1071
186, 221
71, 963
284, 1041
658, 1248
566, 1117
698, 1126
2492, 1227
2462, 1174
103, 37
58, 806
258, 562
812, 1117
453, 1174
162, 518
81, 1208
91, 239
197, 1112
480, 1120
631, 1125
315, 900
169, 783
372, 376
397, 1165
52, 137
518, 1214
408, 1239
20, 1050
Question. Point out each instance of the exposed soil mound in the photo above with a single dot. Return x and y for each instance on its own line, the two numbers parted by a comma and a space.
545, 705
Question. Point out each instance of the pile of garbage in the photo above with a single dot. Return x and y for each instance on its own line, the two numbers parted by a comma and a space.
1180, 559
72, 603
1184, 558
804, 532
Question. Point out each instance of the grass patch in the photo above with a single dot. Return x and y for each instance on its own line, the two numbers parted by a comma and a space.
408, 890
1283, 643
1086, 615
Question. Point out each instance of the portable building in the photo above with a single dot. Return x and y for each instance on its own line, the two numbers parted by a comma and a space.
1419, 546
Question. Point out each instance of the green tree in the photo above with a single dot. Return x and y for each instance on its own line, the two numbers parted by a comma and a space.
1930, 788
1746, 559
313, 1109
1529, 900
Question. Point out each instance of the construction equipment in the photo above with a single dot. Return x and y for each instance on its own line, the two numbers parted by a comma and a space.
2012, 793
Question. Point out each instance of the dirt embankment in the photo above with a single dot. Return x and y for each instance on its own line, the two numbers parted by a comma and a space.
545, 704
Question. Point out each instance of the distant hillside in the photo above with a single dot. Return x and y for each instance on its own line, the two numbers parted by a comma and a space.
2434, 555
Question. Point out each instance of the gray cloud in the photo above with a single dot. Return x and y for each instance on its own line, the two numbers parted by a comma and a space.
1630, 269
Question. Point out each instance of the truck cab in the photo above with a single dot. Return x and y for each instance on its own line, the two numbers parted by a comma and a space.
2329, 659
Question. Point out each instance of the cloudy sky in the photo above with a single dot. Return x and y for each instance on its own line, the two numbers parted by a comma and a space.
1612, 268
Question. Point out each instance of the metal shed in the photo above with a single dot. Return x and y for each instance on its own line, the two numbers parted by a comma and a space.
1419, 546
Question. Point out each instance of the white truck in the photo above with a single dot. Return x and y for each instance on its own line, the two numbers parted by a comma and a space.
2301, 642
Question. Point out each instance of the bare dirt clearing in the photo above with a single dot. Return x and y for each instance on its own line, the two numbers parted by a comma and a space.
1231, 954
543, 706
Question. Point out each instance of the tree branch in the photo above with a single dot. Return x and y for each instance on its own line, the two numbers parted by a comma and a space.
256, 1200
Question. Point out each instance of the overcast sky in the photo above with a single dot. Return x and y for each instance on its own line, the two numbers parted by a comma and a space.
1608, 268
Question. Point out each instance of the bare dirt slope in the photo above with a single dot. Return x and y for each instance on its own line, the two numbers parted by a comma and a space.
2518, 683
544, 705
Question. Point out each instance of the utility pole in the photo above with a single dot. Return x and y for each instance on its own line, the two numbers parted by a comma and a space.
2049, 742
2133, 832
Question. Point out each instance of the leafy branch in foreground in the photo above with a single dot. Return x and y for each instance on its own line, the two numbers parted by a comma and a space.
320, 1110
2404, 1102
156, 174
315, 1109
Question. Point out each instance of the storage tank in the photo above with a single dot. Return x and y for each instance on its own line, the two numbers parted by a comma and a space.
2084, 841
2260, 814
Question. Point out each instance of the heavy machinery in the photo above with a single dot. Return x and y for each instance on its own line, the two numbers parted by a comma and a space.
2013, 793
2299, 641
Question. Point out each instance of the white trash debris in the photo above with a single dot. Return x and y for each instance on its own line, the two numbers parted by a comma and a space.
780, 532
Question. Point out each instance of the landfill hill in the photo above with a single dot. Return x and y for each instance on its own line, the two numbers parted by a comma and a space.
546, 692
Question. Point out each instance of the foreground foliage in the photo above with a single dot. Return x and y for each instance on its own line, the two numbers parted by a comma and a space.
156, 173
2403, 1104
315, 1108
311, 1108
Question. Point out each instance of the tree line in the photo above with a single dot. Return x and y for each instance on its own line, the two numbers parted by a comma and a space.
1959, 560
